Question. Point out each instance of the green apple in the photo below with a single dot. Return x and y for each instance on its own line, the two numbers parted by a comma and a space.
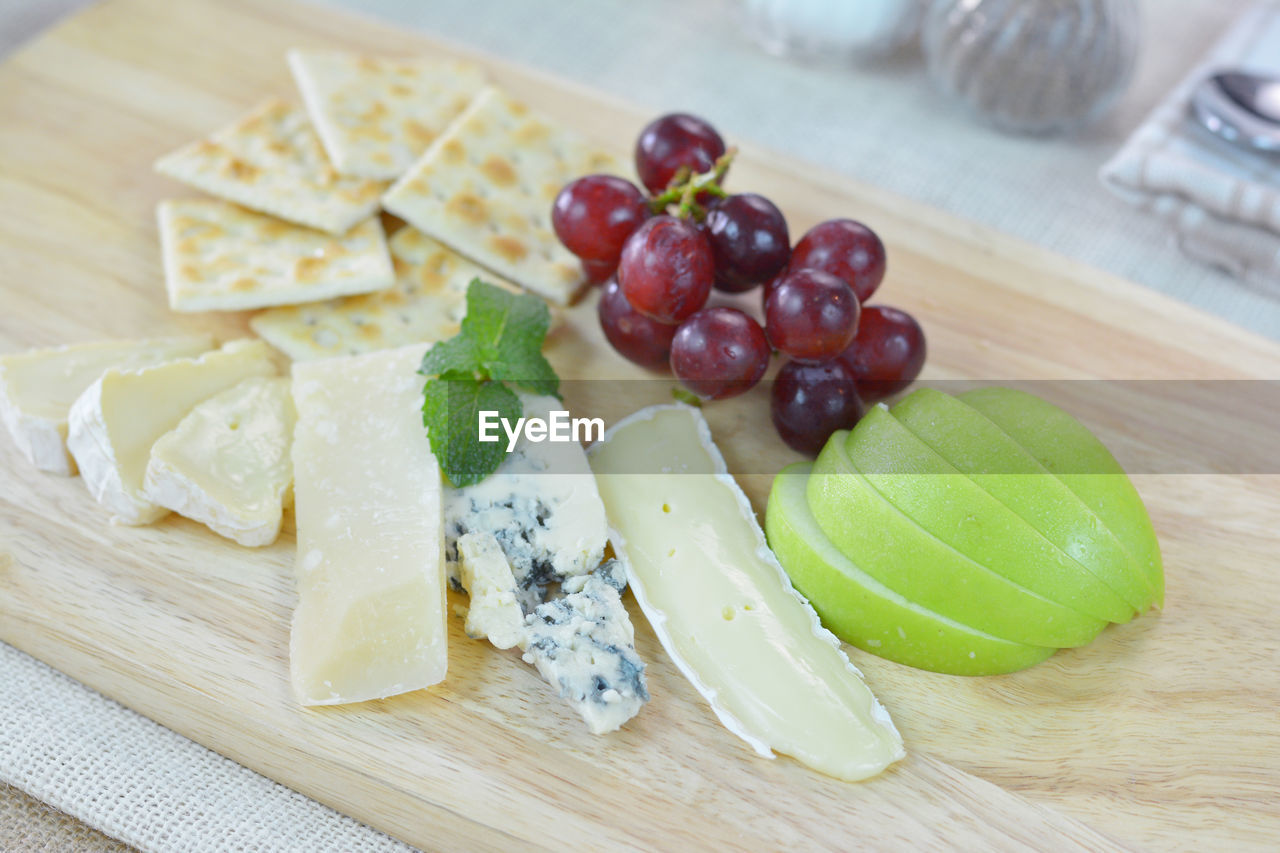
951, 507
864, 612
1068, 450
886, 544
1002, 468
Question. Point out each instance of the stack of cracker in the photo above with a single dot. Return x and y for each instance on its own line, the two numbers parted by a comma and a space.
294, 224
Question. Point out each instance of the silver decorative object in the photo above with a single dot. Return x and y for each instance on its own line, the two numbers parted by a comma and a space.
833, 29
1033, 66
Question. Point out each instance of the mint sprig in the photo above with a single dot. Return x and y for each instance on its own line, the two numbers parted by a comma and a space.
500, 341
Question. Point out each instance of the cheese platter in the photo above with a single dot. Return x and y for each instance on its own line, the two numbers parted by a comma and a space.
1119, 742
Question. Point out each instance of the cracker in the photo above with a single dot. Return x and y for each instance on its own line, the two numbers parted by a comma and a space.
486, 185
220, 257
427, 304
376, 116
271, 160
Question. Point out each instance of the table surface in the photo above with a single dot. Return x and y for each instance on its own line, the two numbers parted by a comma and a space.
959, 166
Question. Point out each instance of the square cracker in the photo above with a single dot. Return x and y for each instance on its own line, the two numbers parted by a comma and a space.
486, 185
376, 116
220, 257
427, 303
271, 160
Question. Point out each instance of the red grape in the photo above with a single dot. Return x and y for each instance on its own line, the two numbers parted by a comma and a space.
666, 269
749, 239
672, 141
719, 352
811, 401
598, 272
638, 338
848, 250
811, 315
887, 354
594, 216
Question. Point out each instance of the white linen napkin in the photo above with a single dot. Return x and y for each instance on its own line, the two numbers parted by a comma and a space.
1222, 202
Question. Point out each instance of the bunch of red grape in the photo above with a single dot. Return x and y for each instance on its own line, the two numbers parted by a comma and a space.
661, 255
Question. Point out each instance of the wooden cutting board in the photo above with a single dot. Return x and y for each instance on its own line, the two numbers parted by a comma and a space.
1163, 733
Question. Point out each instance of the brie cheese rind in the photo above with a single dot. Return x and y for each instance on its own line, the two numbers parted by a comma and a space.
370, 620
583, 644
114, 423
226, 465
723, 607
541, 505
494, 611
38, 387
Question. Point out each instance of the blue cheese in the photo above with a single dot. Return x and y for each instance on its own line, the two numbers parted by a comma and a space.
584, 645
494, 611
542, 507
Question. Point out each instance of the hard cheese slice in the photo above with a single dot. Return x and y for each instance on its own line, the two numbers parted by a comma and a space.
370, 620
115, 422
221, 257
723, 607
38, 387
227, 463
427, 303
271, 160
375, 116
486, 186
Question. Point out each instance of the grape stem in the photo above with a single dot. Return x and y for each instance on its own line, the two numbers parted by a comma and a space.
685, 188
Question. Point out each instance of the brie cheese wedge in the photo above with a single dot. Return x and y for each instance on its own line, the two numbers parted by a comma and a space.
723, 607
37, 389
114, 423
227, 463
370, 620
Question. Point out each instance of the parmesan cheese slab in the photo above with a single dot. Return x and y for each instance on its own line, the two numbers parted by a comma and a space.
37, 389
486, 185
114, 423
221, 257
226, 464
426, 304
723, 607
376, 116
271, 160
370, 620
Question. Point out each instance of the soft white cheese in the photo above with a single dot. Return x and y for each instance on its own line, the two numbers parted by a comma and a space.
114, 423
227, 463
370, 620
37, 389
723, 607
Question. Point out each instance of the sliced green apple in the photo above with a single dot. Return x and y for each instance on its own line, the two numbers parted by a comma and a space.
889, 546
973, 443
932, 493
864, 612
1075, 456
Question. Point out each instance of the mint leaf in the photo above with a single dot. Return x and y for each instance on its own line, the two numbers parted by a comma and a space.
507, 331
451, 414
456, 355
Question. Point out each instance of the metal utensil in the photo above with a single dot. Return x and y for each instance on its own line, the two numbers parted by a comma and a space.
1242, 108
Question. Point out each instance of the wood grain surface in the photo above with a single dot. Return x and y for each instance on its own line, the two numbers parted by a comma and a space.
1163, 733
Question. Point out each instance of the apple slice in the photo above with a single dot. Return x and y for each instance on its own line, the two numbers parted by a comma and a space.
946, 503
866, 613
1005, 470
1075, 456
889, 546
